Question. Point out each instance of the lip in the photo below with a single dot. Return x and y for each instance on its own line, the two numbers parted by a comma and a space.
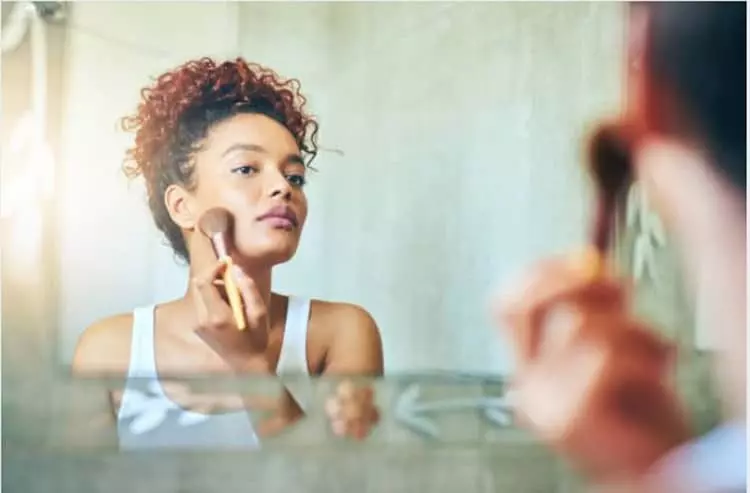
280, 215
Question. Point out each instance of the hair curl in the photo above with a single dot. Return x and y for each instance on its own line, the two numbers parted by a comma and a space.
176, 113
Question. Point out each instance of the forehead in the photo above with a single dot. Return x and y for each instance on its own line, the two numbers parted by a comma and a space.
250, 128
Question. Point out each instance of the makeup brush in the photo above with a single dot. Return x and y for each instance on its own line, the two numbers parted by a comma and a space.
216, 224
609, 162
611, 167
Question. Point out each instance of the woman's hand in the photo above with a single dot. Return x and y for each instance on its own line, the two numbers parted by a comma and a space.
351, 411
216, 325
591, 379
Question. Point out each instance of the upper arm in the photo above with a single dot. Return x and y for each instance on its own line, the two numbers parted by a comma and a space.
104, 347
356, 347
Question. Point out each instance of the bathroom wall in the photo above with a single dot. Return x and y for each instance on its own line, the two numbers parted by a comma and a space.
450, 154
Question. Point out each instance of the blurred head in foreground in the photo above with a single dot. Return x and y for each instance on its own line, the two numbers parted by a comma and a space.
688, 105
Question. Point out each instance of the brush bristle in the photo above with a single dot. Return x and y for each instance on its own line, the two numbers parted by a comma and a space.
611, 168
610, 160
215, 221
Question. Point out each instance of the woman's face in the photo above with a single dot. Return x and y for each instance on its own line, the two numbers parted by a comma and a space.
251, 165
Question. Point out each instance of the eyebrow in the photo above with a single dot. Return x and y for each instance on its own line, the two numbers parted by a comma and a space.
289, 159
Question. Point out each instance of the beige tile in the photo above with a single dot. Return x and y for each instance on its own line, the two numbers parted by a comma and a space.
570, 481
521, 468
452, 470
89, 473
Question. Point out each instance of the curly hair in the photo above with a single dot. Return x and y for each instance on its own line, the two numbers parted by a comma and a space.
177, 111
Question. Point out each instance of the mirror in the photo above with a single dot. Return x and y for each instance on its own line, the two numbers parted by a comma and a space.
449, 158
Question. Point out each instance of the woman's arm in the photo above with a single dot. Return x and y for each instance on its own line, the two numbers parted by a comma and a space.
90, 413
104, 348
355, 348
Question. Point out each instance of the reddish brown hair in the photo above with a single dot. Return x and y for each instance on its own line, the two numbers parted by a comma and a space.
177, 111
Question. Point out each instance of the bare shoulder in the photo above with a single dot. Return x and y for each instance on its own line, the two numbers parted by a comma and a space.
334, 313
353, 343
104, 347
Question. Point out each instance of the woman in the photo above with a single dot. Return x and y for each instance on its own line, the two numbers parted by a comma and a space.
602, 392
236, 136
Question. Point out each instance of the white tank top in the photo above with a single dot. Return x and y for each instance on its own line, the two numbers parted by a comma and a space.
148, 418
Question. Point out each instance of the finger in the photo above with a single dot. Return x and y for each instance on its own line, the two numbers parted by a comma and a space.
566, 324
353, 410
512, 309
255, 307
212, 310
577, 379
339, 427
346, 390
558, 280
366, 394
333, 408
641, 351
602, 294
523, 313
366, 401
359, 430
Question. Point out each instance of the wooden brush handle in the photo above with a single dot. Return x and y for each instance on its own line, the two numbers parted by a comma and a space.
594, 262
233, 294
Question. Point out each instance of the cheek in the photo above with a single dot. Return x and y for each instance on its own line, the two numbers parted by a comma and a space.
241, 201
222, 190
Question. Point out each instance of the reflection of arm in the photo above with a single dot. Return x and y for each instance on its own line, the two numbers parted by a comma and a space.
354, 349
286, 412
83, 416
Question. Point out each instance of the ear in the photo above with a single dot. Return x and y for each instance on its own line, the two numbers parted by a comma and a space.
181, 206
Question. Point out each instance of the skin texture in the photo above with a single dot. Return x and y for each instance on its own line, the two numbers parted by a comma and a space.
247, 164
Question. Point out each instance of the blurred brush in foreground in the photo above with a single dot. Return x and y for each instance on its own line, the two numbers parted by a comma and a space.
592, 380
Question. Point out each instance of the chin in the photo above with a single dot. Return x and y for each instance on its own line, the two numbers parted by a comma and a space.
272, 254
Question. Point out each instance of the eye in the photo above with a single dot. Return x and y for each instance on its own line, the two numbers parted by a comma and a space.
245, 170
298, 181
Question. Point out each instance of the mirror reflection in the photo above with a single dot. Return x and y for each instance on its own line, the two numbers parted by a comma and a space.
305, 190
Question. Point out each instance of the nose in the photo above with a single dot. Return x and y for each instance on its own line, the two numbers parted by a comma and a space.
279, 187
